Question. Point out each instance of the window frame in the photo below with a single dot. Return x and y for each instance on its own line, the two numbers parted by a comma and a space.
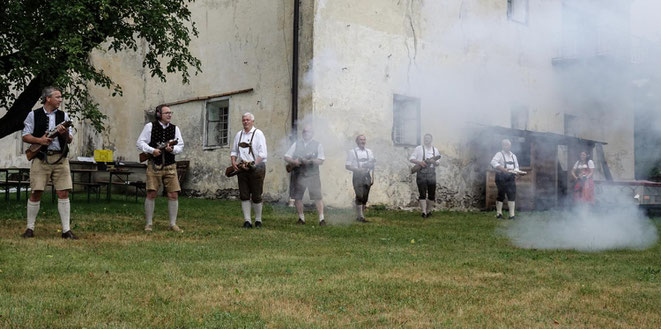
510, 12
403, 98
206, 123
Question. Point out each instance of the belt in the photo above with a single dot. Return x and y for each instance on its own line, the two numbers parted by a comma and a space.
53, 152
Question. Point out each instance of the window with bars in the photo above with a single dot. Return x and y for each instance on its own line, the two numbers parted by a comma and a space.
519, 117
406, 121
517, 11
217, 123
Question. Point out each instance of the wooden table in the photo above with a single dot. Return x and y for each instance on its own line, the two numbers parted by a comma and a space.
88, 184
122, 175
7, 183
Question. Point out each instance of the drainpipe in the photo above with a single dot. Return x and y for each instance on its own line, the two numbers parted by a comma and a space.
294, 77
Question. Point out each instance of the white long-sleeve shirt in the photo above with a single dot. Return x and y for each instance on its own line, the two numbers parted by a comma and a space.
28, 127
258, 145
365, 154
292, 149
145, 138
428, 154
500, 159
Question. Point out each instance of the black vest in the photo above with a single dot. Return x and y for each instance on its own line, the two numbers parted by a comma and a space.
160, 135
41, 127
308, 152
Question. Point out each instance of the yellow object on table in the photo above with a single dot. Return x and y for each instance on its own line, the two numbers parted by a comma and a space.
103, 156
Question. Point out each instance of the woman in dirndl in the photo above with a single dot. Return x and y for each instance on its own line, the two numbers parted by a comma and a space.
584, 186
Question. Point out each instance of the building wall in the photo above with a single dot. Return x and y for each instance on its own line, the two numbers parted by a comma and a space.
466, 62
242, 44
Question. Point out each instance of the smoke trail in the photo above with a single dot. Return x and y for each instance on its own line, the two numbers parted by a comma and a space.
621, 226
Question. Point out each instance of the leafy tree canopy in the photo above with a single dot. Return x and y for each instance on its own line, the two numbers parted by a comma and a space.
48, 42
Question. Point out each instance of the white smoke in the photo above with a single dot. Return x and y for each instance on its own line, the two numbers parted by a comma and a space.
608, 226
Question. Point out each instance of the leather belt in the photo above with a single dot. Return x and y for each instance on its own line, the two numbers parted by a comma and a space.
53, 152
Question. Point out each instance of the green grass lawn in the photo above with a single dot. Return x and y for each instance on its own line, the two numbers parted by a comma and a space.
452, 270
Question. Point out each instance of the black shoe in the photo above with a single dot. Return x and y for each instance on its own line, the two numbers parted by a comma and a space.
69, 235
258, 224
499, 216
29, 233
247, 224
322, 222
300, 221
428, 214
511, 217
423, 215
362, 220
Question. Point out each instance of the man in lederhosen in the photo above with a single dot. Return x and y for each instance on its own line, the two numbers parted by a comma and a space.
426, 156
248, 156
360, 161
306, 156
506, 166
162, 165
51, 164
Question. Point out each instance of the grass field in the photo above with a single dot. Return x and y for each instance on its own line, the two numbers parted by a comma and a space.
453, 270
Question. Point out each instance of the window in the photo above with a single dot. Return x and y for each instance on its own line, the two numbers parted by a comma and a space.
406, 120
519, 117
216, 130
521, 147
571, 125
517, 11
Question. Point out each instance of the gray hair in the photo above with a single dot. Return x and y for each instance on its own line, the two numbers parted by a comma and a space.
506, 141
47, 92
248, 114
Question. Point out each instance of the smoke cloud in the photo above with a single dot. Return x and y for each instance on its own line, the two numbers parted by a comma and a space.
584, 229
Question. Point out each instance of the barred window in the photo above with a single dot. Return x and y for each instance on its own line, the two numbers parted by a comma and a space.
217, 123
517, 11
406, 121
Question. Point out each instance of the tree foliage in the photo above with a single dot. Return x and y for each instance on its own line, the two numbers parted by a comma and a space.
48, 42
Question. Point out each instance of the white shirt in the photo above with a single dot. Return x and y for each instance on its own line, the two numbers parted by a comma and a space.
28, 127
362, 154
145, 138
579, 165
292, 149
258, 145
501, 157
429, 153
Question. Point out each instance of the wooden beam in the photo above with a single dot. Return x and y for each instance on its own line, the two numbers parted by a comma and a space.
204, 98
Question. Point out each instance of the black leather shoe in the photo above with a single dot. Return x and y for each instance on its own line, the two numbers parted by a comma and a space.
247, 224
322, 222
29, 233
258, 224
300, 221
362, 220
499, 216
511, 217
428, 215
423, 215
69, 235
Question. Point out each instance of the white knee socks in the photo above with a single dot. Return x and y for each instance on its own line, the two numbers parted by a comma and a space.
173, 208
245, 207
149, 211
510, 205
430, 206
64, 208
423, 206
359, 211
499, 207
33, 210
258, 211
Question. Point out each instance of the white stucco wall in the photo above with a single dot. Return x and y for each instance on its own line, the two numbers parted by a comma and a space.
465, 61
242, 44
